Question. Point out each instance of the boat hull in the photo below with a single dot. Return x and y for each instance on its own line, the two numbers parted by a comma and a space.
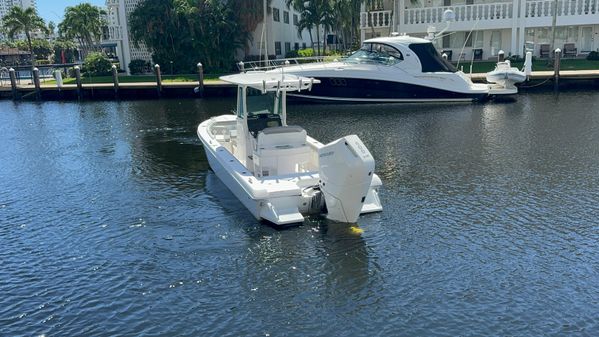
382, 91
277, 199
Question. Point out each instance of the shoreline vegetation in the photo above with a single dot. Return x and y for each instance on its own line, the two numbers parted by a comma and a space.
478, 67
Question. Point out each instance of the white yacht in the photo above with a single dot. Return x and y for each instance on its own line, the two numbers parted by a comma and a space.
278, 172
391, 69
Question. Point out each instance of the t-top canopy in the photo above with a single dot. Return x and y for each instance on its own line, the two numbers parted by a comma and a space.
271, 81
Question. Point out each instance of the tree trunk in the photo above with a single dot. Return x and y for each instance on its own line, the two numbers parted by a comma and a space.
318, 40
30, 51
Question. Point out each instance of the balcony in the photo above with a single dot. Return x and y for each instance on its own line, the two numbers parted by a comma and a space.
571, 12
497, 15
494, 15
375, 19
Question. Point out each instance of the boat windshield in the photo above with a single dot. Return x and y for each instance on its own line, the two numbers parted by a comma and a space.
430, 59
376, 53
258, 103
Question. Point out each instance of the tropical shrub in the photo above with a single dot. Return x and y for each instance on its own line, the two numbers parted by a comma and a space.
97, 64
291, 53
137, 67
593, 56
308, 52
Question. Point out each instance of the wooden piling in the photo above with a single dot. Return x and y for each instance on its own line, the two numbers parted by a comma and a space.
158, 80
13, 83
78, 80
201, 79
115, 80
36, 83
556, 68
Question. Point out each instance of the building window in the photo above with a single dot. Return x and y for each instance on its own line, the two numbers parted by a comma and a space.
275, 14
287, 47
277, 47
303, 45
296, 46
285, 17
446, 41
295, 20
469, 39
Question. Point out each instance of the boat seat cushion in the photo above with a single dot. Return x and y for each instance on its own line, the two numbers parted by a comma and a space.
282, 137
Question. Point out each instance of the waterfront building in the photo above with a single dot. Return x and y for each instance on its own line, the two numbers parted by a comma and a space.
484, 27
117, 37
281, 33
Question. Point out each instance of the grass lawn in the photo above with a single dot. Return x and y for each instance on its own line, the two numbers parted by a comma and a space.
537, 65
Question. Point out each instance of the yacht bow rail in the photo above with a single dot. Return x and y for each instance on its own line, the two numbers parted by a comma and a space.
265, 65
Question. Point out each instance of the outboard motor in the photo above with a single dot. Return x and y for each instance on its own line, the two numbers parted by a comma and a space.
346, 169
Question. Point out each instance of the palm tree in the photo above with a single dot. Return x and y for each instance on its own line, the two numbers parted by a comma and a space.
84, 23
19, 20
316, 13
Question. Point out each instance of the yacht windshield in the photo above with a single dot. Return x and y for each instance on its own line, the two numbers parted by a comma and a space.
376, 53
430, 58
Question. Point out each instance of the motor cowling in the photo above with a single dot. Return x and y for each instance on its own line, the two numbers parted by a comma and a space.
346, 169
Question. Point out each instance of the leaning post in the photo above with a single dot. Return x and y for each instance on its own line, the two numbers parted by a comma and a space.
201, 78
78, 80
36, 83
556, 66
13, 83
115, 80
158, 79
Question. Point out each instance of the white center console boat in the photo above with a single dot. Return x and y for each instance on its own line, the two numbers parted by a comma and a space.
276, 170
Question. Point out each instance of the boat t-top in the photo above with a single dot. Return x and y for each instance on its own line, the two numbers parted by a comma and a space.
276, 170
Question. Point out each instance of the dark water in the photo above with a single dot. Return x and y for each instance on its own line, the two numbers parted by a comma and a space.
111, 223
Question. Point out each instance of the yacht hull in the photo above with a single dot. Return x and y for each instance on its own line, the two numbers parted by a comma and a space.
382, 91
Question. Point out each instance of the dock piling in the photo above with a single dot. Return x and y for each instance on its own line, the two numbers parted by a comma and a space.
201, 79
13, 83
78, 80
241, 66
115, 80
556, 66
36, 83
158, 79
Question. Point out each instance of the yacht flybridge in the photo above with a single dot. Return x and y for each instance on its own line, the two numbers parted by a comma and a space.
278, 172
393, 69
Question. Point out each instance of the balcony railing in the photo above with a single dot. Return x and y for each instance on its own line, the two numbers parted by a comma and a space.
489, 11
498, 14
544, 8
376, 19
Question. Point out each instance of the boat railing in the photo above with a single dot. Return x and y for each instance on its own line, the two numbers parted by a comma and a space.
264, 65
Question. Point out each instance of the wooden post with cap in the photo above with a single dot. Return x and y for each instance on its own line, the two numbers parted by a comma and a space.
158, 79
